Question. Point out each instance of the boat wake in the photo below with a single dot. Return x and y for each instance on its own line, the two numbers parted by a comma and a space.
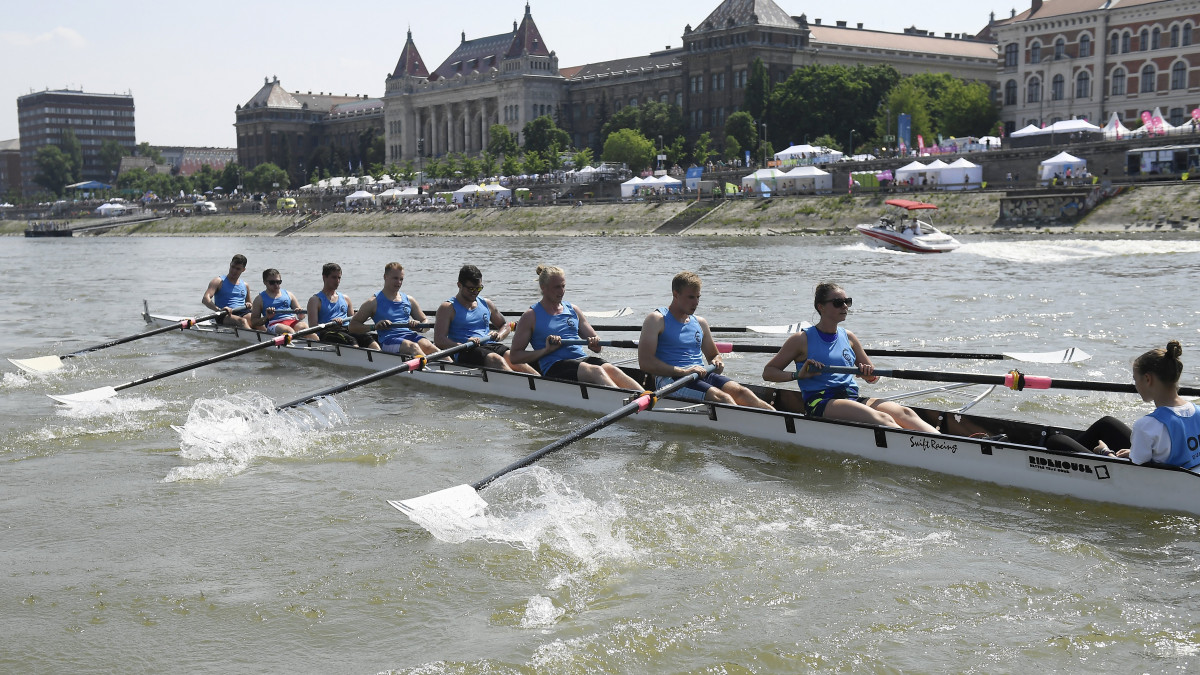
117, 408
15, 381
225, 435
1069, 250
534, 510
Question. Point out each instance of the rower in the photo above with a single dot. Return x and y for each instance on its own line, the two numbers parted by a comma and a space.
466, 316
230, 293
675, 343
396, 316
329, 306
546, 324
276, 308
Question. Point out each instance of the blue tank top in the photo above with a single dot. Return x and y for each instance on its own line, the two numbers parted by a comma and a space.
398, 312
470, 323
1185, 436
565, 325
282, 305
231, 295
835, 353
681, 344
332, 310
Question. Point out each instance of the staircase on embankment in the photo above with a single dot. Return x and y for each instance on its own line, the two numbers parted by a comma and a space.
689, 216
299, 224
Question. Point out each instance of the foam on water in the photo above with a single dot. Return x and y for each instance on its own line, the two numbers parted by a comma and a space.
1068, 250
225, 435
17, 380
541, 612
532, 509
122, 407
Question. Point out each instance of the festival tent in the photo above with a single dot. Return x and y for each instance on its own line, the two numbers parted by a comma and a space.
109, 209
360, 196
391, 195
962, 174
465, 191
496, 192
586, 174
990, 142
630, 186
1114, 130
913, 171
764, 178
1029, 130
934, 172
410, 191
385, 180
1059, 164
808, 179
809, 154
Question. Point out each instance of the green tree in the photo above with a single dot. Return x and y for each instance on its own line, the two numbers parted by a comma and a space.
488, 164
733, 149
470, 166
833, 100
231, 176
409, 171
966, 109
907, 98
702, 149
501, 141
205, 179
651, 119
74, 152
111, 153
264, 177
54, 171
629, 147
827, 141
511, 165
144, 149
758, 90
534, 163
740, 125
434, 167
676, 151
541, 135
583, 158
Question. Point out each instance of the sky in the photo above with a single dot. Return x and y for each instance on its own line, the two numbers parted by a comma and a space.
188, 65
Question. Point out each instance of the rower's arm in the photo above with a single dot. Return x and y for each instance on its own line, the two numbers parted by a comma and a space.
520, 352
794, 350
865, 367
652, 327
314, 308
441, 326
358, 323
587, 332
257, 320
210, 293
497, 319
417, 313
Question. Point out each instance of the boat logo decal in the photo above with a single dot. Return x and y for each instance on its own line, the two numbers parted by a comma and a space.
571, 324
1068, 467
926, 443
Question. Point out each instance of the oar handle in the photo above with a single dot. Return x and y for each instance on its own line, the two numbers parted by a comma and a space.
924, 354
643, 402
182, 325
635, 329
416, 363
1014, 379
277, 341
722, 347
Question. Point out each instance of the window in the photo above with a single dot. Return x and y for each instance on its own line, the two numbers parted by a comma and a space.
1125, 39
1035, 52
1118, 82
1060, 48
633, 102
1143, 40
1010, 55
679, 99
1056, 88
1085, 45
1114, 45
1186, 38
1155, 38
1148, 76
1174, 36
1033, 91
1179, 76
1175, 117
1083, 85
1010, 92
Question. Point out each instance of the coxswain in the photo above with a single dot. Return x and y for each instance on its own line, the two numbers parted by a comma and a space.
466, 316
397, 317
231, 294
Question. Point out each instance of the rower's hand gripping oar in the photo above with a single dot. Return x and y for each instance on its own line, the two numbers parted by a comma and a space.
1071, 355
417, 363
108, 392
1014, 379
465, 500
48, 364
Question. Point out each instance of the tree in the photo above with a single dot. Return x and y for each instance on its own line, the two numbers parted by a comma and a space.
676, 151
741, 127
111, 153
74, 153
651, 119
144, 149
732, 149
583, 158
758, 90
501, 141
541, 135
908, 98
967, 109
831, 100
264, 177
54, 170
628, 147
534, 163
828, 141
205, 179
511, 165
231, 176
702, 150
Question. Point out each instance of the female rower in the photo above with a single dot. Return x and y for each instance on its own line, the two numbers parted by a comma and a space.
545, 325
1169, 435
835, 395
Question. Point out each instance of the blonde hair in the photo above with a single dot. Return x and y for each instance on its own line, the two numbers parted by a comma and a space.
684, 280
544, 272
392, 266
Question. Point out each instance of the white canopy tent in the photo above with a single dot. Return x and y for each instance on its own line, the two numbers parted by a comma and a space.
465, 192
807, 179
630, 186
962, 174
496, 192
410, 191
391, 195
1059, 164
109, 209
763, 177
809, 154
911, 173
359, 197
1114, 130
1028, 130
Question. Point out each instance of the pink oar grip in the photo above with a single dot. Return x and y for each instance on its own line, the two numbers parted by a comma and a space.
414, 364
725, 347
1038, 382
280, 341
643, 402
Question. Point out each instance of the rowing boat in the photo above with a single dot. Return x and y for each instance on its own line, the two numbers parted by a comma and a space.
968, 446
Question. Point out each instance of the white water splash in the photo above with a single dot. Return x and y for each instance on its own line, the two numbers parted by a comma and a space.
530, 510
541, 612
225, 435
18, 380
122, 407
1067, 250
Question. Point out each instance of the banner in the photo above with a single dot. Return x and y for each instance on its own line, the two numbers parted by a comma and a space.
904, 130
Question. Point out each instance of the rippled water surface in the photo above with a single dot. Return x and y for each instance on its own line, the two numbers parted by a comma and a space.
178, 527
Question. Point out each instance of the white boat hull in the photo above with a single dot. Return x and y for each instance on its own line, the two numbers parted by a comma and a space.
1019, 462
936, 242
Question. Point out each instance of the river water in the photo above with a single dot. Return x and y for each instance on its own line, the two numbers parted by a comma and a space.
131, 546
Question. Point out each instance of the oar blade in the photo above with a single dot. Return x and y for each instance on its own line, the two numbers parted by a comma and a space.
780, 330
459, 503
89, 396
1072, 355
38, 364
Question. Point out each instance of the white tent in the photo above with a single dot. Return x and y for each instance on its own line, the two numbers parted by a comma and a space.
495, 192
112, 209
389, 195
465, 191
630, 186
913, 171
1114, 130
336, 182
933, 172
990, 142
410, 191
360, 196
764, 177
962, 174
807, 179
1072, 126
809, 154
1029, 130
385, 180
1059, 164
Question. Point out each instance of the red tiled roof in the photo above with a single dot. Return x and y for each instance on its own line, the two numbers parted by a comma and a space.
410, 63
527, 39
901, 42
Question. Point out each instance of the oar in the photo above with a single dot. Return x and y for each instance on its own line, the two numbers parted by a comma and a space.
416, 363
1013, 380
722, 347
48, 364
466, 499
1072, 355
108, 392
774, 330
600, 314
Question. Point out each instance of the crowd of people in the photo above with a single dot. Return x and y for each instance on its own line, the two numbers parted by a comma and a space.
550, 339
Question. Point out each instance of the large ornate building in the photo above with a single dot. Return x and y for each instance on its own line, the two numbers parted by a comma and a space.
1088, 59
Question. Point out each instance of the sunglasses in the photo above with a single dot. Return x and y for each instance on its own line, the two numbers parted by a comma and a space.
473, 289
273, 282
841, 302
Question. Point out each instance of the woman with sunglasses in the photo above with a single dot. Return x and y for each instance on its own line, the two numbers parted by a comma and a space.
835, 395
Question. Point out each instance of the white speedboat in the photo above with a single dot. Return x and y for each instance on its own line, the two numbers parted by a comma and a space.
908, 231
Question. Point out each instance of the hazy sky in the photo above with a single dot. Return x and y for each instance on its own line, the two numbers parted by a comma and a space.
189, 64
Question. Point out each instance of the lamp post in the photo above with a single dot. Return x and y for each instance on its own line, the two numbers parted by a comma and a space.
850, 148
763, 144
658, 164
420, 162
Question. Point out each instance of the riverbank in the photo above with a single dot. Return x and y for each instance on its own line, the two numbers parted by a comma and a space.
1147, 208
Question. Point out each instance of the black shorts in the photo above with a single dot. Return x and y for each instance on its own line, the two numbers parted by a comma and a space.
568, 369
815, 401
240, 312
474, 357
340, 336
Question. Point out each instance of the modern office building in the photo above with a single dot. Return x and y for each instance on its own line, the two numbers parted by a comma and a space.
10, 167
42, 117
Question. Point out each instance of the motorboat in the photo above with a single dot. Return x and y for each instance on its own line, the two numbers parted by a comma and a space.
911, 229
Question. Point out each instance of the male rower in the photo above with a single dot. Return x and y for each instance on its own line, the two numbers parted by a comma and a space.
466, 316
330, 306
231, 294
675, 343
276, 308
396, 316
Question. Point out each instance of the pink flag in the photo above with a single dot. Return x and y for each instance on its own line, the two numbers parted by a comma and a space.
920, 145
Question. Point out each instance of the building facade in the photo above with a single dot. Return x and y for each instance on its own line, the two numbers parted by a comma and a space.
1089, 59
10, 167
186, 161
43, 117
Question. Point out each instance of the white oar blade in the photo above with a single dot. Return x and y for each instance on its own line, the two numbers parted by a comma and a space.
88, 396
611, 313
38, 365
1072, 355
459, 503
780, 330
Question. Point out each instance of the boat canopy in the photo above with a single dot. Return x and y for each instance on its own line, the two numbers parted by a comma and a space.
909, 204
